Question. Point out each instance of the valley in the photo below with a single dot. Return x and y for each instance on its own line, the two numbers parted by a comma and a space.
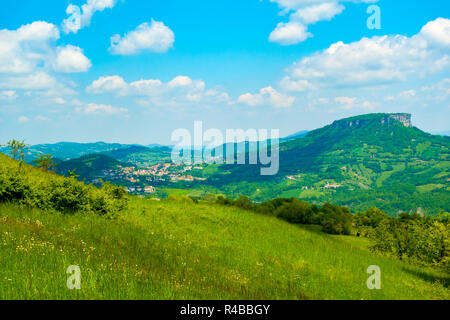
370, 160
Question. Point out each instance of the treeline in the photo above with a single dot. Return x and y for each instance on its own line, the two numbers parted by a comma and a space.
412, 237
23, 184
333, 219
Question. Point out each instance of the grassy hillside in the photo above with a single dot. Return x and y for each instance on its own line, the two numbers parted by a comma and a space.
176, 249
181, 250
368, 162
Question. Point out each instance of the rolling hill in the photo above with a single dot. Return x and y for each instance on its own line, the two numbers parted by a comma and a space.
66, 150
141, 156
371, 160
90, 166
177, 249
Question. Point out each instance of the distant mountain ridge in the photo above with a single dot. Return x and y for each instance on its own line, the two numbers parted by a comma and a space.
374, 159
90, 166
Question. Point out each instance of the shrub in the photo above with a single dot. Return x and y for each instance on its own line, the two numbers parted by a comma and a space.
296, 211
424, 241
335, 219
39, 189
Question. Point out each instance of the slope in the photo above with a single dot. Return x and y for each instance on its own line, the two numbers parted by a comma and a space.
369, 160
181, 250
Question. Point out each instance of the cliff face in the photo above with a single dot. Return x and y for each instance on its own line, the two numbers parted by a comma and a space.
382, 118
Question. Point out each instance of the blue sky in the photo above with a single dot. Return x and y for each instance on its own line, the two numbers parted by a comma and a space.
133, 71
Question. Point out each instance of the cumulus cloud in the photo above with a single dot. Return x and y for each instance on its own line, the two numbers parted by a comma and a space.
32, 46
107, 84
71, 59
8, 95
438, 92
296, 85
320, 12
179, 90
304, 13
23, 119
345, 100
34, 81
180, 81
153, 37
408, 93
348, 103
23, 49
289, 33
267, 96
378, 60
437, 32
94, 108
81, 17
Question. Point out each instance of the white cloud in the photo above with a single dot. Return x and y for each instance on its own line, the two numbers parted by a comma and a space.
34, 81
289, 33
180, 81
408, 94
296, 85
147, 87
267, 96
70, 59
437, 32
348, 103
155, 37
107, 84
320, 12
80, 18
41, 118
288, 5
439, 92
23, 49
377, 60
59, 100
32, 47
23, 119
179, 90
93, 108
8, 95
303, 13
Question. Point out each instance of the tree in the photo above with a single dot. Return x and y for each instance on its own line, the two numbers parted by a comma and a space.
72, 174
17, 148
372, 217
45, 162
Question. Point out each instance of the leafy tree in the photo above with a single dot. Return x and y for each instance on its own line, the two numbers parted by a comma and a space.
17, 148
335, 219
296, 211
45, 162
72, 174
371, 218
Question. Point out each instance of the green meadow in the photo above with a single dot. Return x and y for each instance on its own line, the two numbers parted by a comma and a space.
179, 249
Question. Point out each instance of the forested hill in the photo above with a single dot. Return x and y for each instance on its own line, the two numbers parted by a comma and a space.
374, 159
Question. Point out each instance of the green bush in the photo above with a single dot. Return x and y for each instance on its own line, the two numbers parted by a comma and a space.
336, 219
37, 188
424, 241
296, 211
